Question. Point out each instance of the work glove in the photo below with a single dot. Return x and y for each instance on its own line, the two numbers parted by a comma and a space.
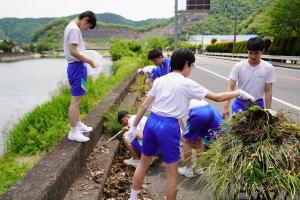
271, 112
244, 95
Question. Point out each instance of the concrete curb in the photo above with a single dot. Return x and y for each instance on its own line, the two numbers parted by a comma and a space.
51, 178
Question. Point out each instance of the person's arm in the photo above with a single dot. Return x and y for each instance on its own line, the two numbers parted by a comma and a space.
147, 102
77, 55
222, 96
268, 95
125, 129
139, 135
230, 87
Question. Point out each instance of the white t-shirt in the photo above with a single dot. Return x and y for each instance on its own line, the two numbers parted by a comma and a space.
140, 126
148, 69
196, 103
253, 79
173, 93
72, 35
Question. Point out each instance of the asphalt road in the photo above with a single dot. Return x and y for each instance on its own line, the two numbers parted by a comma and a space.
212, 73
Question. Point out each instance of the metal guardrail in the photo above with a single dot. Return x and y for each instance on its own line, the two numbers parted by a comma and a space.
282, 59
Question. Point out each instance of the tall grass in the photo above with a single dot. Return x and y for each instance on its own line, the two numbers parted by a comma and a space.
258, 154
42, 128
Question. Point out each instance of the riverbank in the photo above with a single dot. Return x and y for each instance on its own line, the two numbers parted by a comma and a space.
11, 57
42, 128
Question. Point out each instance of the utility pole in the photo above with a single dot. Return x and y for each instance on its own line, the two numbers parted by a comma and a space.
175, 24
235, 25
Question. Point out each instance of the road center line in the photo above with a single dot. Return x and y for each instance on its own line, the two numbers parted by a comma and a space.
274, 98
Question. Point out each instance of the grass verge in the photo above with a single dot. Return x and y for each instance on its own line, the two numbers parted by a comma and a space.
42, 128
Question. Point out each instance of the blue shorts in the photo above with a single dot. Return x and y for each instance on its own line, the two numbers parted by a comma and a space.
137, 145
243, 105
203, 121
163, 134
77, 76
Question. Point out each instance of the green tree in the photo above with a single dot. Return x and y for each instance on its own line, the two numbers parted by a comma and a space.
7, 45
285, 17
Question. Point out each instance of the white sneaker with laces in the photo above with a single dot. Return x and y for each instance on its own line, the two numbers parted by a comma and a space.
77, 136
133, 162
186, 171
85, 128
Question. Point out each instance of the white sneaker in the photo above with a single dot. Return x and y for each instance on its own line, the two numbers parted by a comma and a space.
85, 128
77, 136
186, 171
133, 162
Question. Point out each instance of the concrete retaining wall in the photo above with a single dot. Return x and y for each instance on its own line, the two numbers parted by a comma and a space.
53, 175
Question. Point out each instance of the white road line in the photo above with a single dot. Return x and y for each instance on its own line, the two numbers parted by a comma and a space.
274, 98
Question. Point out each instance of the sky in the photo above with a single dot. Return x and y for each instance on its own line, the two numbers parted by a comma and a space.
131, 9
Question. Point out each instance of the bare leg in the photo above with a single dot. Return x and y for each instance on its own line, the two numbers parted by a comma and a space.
199, 146
187, 152
131, 150
172, 180
74, 110
140, 172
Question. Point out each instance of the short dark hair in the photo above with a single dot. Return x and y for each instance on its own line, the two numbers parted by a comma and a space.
255, 44
121, 115
92, 18
180, 57
155, 53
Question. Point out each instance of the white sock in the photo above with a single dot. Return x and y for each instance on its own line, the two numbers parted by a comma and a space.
78, 124
73, 129
133, 194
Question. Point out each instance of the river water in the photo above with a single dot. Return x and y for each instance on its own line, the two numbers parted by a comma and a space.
26, 84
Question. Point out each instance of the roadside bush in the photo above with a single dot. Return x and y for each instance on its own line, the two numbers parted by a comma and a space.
157, 42
268, 43
296, 47
224, 47
134, 45
213, 41
285, 46
192, 47
120, 48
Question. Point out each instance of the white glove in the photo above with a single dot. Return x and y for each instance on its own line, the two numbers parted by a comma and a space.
271, 112
130, 135
244, 95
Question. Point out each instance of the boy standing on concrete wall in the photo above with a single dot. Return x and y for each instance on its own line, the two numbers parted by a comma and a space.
77, 72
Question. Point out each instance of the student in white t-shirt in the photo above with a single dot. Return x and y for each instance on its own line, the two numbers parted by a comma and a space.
171, 95
77, 72
147, 72
135, 148
255, 76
